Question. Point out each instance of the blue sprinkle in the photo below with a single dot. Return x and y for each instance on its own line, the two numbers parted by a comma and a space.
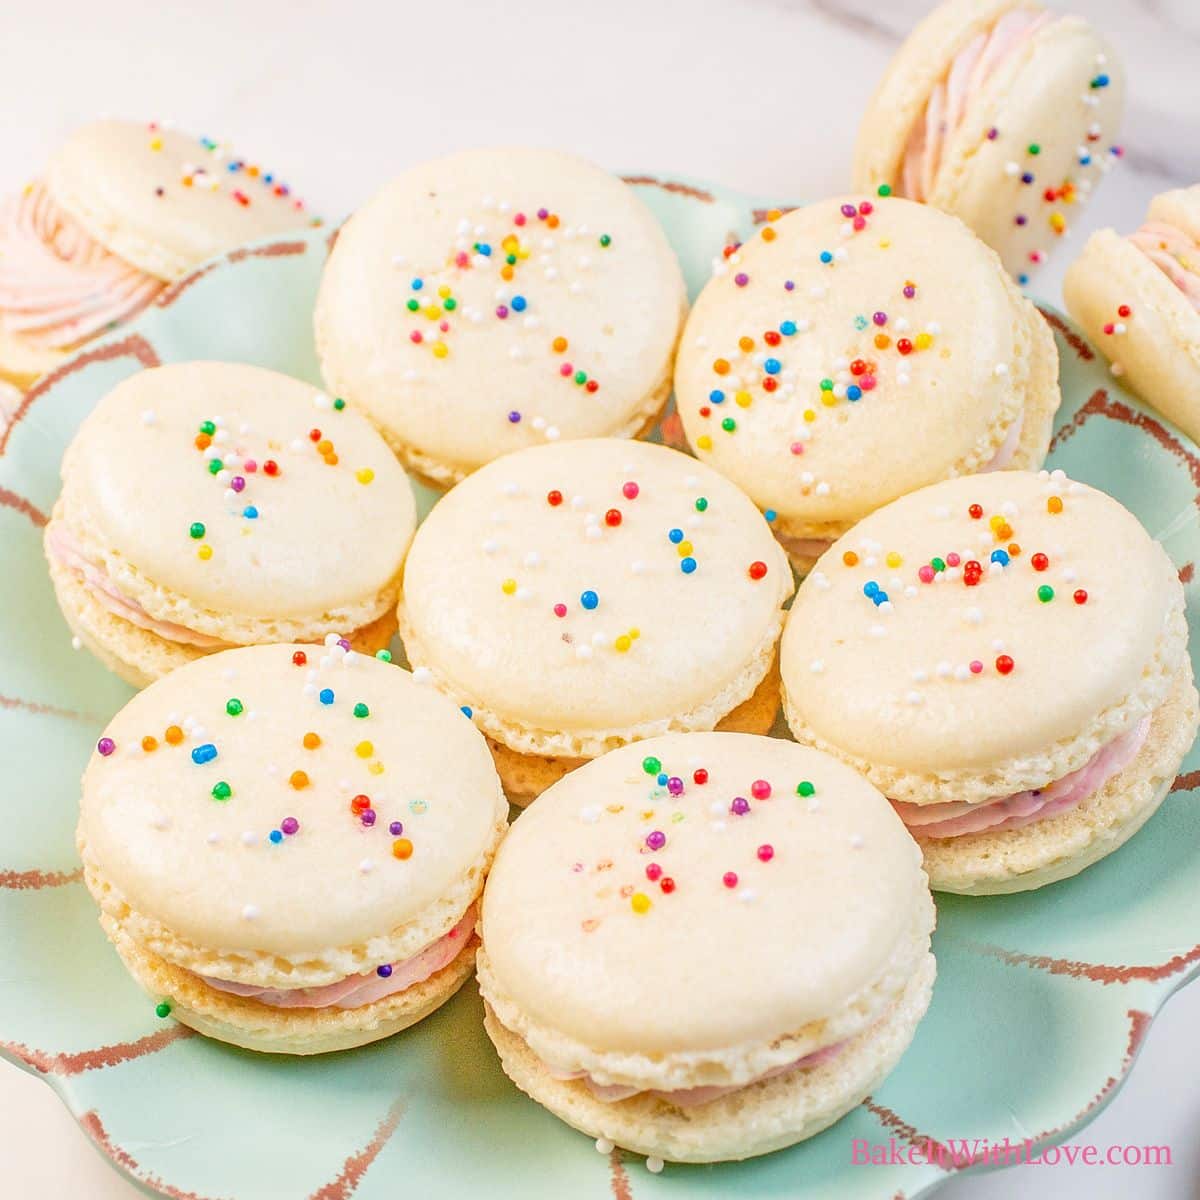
589, 600
879, 598
514, 417
1027, 177
675, 536
717, 396
788, 328
384, 971
276, 836
1101, 81
268, 178
518, 303
484, 249
467, 710
417, 284
662, 779
870, 588
826, 257
687, 565
854, 392
204, 754
1022, 279
770, 514
1000, 556
326, 696
772, 366
1085, 160
250, 512
860, 322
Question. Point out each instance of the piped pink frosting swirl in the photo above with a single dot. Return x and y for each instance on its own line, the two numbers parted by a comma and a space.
954, 819
58, 285
1174, 253
951, 98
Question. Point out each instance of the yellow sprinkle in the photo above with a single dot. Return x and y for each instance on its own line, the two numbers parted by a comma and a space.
809, 415
1058, 222
440, 349
623, 643
508, 586
640, 902
376, 768
364, 749
828, 399
885, 244
444, 291
685, 548
894, 559
923, 341
996, 521
156, 143
743, 399
205, 552
365, 475
635, 633
704, 442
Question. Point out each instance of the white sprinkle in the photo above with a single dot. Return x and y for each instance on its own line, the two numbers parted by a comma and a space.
1000, 369
583, 651
366, 866
250, 912
604, 1146
915, 698
820, 580
962, 672
717, 808
148, 417
877, 631
533, 559
589, 815
76, 644
973, 616
249, 837
159, 819
213, 838
638, 567
511, 488
817, 666
813, 804
717, 826
856, 841
422, 675
321, 400
746, 896
491, 546
944, 670
942, 511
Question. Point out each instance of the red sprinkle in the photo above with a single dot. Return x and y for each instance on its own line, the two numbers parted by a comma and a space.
1004, 664
613, 517
299, 658
975, 511
700, 776
758, 570
1039, 562
1081, 596
667, 884
554, 498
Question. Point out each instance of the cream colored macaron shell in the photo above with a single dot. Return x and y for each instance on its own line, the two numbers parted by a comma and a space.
656, 875
262, 821
583, 595
987, 637
198, 510
855, 350
497, 299
1002, 112
1137, 315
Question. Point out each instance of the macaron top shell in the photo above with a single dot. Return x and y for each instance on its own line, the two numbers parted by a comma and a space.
579, 590
614, 904
498, 298
852, 351
244, 834
164, 200
205, 479
911, 648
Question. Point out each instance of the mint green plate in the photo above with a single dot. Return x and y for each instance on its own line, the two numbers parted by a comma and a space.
1041, 1003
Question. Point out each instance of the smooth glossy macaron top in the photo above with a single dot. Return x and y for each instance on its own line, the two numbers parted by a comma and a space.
583, 589
983, 622
164, 200
761, 876
244, 491
855, 350
1003, 112
496, 299
288, 800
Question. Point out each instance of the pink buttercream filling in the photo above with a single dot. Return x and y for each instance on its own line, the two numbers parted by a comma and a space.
99, 584
947, 106
356, 990
58, 285
1174, 253
690, 1097
957, 818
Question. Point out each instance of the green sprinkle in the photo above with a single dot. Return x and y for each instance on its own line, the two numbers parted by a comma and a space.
234, 707
412, 305
729, 424
339, 404
196, 530
162, 1009
214, 465
361, 710
221, 791
605, 240
510, 259
884, 189
1034, 148
208, 427
1045, 593
804, 788
450, 304
827, 385
383, 655
581, 377
701, 504
938, 564
651, 765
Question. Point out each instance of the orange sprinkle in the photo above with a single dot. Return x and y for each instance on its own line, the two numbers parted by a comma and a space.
298, 780
773, 214
768, 234
311, 741
203, 441
506, 271
1054, 504
746, 344
882, 341
552, 221
558, 345
149, 744
721, 366
1014, 550
402, 848
1005, 531
174, 735
850, 558
331, 460
324, 446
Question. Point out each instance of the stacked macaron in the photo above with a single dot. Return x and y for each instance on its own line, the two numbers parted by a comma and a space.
288, 843
579, 596
206, 505
710, 967
846, 334
498, 299
1001, 112
122, 209
1138, 299
1005, 657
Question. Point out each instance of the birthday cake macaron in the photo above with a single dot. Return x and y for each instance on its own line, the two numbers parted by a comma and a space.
1002, 112
498, 299
123, 209
710, 971
578, 596
1138, 300
287, 844
206, 505
1005, 657
855, 350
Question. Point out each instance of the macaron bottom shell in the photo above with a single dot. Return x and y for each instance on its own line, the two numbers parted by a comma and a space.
757, 1119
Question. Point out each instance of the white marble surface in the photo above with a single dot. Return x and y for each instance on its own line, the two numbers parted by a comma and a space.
759, 94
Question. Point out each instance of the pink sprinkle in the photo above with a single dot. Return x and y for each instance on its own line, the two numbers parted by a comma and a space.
797, 447
560, 610
859, 223
630, 491
249, 466
519, 219
952, 559
653, 872
760, 789
866, 208
444, 326
867, 383
766, 853
1109, 328
976, 666
925, 574
729, 879
415, 336
566, 369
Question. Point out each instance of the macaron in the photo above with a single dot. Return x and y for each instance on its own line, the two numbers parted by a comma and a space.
498, 299
206, 505
1004, 657
579, 596
287, 845
1002, 112
856, 350
121, 210
1138, 300
712, 971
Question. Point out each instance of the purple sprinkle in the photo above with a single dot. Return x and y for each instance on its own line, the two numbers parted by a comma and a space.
656, 839
1027, 177
910, 292
741, 279
106, 746
385, 971
514, 416
543, 213
740, 806
880, 318
1022, 219
993, 134
502, 311
848, 210
368, 817
789, 286
675, 785
344, 643
289, 825
396, 828
237, 483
